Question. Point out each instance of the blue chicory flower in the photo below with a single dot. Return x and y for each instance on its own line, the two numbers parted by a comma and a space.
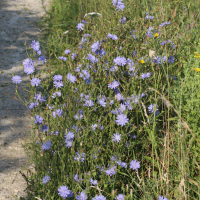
16, 79
46, 179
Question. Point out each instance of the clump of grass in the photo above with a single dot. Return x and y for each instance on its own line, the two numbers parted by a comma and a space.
58, 29
108, 118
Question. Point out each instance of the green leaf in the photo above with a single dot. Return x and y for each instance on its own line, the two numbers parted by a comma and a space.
155, 173
172, 119
67, 24
148, 158
94, 174
123, 174
151, 160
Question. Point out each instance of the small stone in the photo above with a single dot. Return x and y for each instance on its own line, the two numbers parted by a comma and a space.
16, 191
2, 142
1, 180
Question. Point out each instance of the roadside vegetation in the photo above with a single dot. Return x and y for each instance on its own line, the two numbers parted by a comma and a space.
118, 116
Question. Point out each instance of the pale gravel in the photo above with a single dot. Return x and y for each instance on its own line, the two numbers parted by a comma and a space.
17, 24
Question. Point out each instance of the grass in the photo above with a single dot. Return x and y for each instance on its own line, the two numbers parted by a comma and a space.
125, 106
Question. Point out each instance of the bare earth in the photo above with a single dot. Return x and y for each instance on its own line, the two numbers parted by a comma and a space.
17, 24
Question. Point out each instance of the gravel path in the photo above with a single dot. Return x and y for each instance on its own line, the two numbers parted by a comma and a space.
17, 24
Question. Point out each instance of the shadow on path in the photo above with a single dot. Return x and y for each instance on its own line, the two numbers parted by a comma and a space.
18, 20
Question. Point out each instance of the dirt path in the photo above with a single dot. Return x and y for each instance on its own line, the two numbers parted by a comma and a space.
17, 24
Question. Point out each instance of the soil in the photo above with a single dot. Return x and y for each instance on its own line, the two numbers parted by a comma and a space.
18, 24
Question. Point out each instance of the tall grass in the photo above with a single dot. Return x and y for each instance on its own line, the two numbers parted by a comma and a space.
118, 115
